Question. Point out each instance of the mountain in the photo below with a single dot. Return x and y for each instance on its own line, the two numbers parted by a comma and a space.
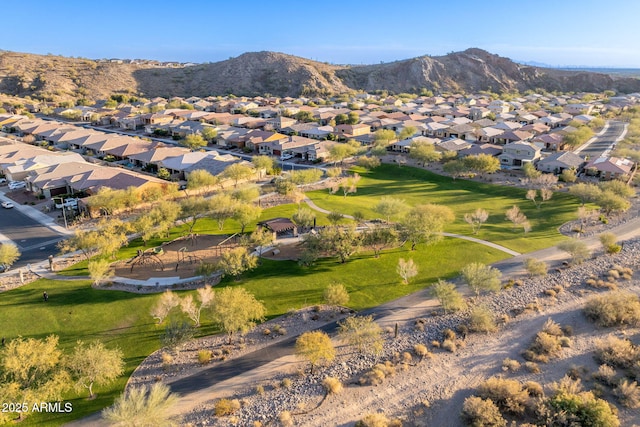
60, 78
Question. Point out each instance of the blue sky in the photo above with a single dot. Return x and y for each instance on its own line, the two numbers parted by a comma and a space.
559, 32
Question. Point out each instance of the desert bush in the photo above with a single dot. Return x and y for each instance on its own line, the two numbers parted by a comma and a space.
510, 365
605, 374
204, 356
628, 393
260, 389
534, 389
509, 395
564, 342
167, 359
580, 409
224, 407
613, 273
421, 351
332, 385
435, 344
576, 372
449, 345
482, 320
617, 352
478, 412
550, 293
378, 373
535, 267
378, 420
285, 383
532, 367
285, 418
545, 345
552, 328
614, 309
462, 330
448, 334
567, 330
266, 332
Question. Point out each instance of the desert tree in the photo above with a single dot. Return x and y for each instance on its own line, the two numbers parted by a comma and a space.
362, 333
577, 249
142, 406
618, 187
585, 192
455, 168
209, 133
221, 208
9, 253
568, 175
342, 242
335, 217
245, 213
518, 218
369, 162
390, 207
336, 295
545, 194
316, 348
94, 364
303, 218
476, 219
236, 261
407, 270
32, 371
535, 267
99, 270
167, 302
585, 215
482, 164
349, 184
425, 223
237, 172
450, 298
246, 194
378, 238
424, 152
260, 238
193, 309
481, 277
194, 142
235, 309
192, 209
263, 164
610, 202
176, 334
200, 179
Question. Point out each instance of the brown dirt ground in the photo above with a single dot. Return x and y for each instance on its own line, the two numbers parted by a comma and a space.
203, 248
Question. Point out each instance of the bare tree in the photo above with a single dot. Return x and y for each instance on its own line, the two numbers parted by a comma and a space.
407, 270
476, 219
168, 301
518, 218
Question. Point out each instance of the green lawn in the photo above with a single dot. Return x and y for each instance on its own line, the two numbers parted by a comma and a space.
417, 186
119, 319
74, 312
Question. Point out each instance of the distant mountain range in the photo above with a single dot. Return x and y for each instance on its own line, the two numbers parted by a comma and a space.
259, 73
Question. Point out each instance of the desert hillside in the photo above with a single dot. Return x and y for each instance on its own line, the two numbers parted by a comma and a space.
59, 78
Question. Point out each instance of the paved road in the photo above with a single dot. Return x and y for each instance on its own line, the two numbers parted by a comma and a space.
35, 240
602, 144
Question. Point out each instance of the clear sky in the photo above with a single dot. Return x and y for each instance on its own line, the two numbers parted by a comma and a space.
553, 32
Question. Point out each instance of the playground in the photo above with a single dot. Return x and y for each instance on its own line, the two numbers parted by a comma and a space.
178, 258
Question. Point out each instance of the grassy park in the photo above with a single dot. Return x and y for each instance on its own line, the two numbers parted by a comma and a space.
77, 311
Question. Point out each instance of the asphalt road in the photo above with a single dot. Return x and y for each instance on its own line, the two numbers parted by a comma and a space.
603, 142
35, 241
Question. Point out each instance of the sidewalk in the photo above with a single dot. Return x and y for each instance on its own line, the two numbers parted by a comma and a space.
34, 214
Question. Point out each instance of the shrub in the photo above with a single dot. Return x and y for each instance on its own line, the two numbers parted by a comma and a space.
435, 344
377, 420
510, 365
534, 389
613, 309
167, 359
480, 412
260, 389
582, 409
448, 334
617, 352
546, 345
378, 373
449, 345
535, 267
532, 367
266, 332
565, 341
509, 395
552, 328
285, 418
224, 407
628, 393
421, 351
332, 385
605, 374
481, 320
286, 383
204, 356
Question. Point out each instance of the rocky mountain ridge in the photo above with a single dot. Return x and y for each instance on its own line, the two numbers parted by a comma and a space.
258, 73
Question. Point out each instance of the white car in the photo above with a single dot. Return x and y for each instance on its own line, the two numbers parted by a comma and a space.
286, 156
7, 205
14, 185
68, 203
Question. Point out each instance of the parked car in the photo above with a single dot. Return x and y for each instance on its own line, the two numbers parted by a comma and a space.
3, 180
14, 185
7, 205
68, 203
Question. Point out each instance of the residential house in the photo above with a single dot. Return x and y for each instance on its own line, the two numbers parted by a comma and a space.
477, 149
346, 131
452, 145
151, 159
609, 167
557, 162
515, 154
551, 141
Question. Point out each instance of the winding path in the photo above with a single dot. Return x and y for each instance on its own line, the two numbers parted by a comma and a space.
313, 206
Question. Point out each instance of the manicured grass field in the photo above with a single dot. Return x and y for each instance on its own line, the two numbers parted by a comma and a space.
416, 186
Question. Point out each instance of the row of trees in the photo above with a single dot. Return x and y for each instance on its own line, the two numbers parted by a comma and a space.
36, 370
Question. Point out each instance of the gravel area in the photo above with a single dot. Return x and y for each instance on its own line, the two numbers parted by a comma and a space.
429, 389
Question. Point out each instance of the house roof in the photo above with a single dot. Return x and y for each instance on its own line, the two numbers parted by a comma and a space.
615, 165
568, 158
